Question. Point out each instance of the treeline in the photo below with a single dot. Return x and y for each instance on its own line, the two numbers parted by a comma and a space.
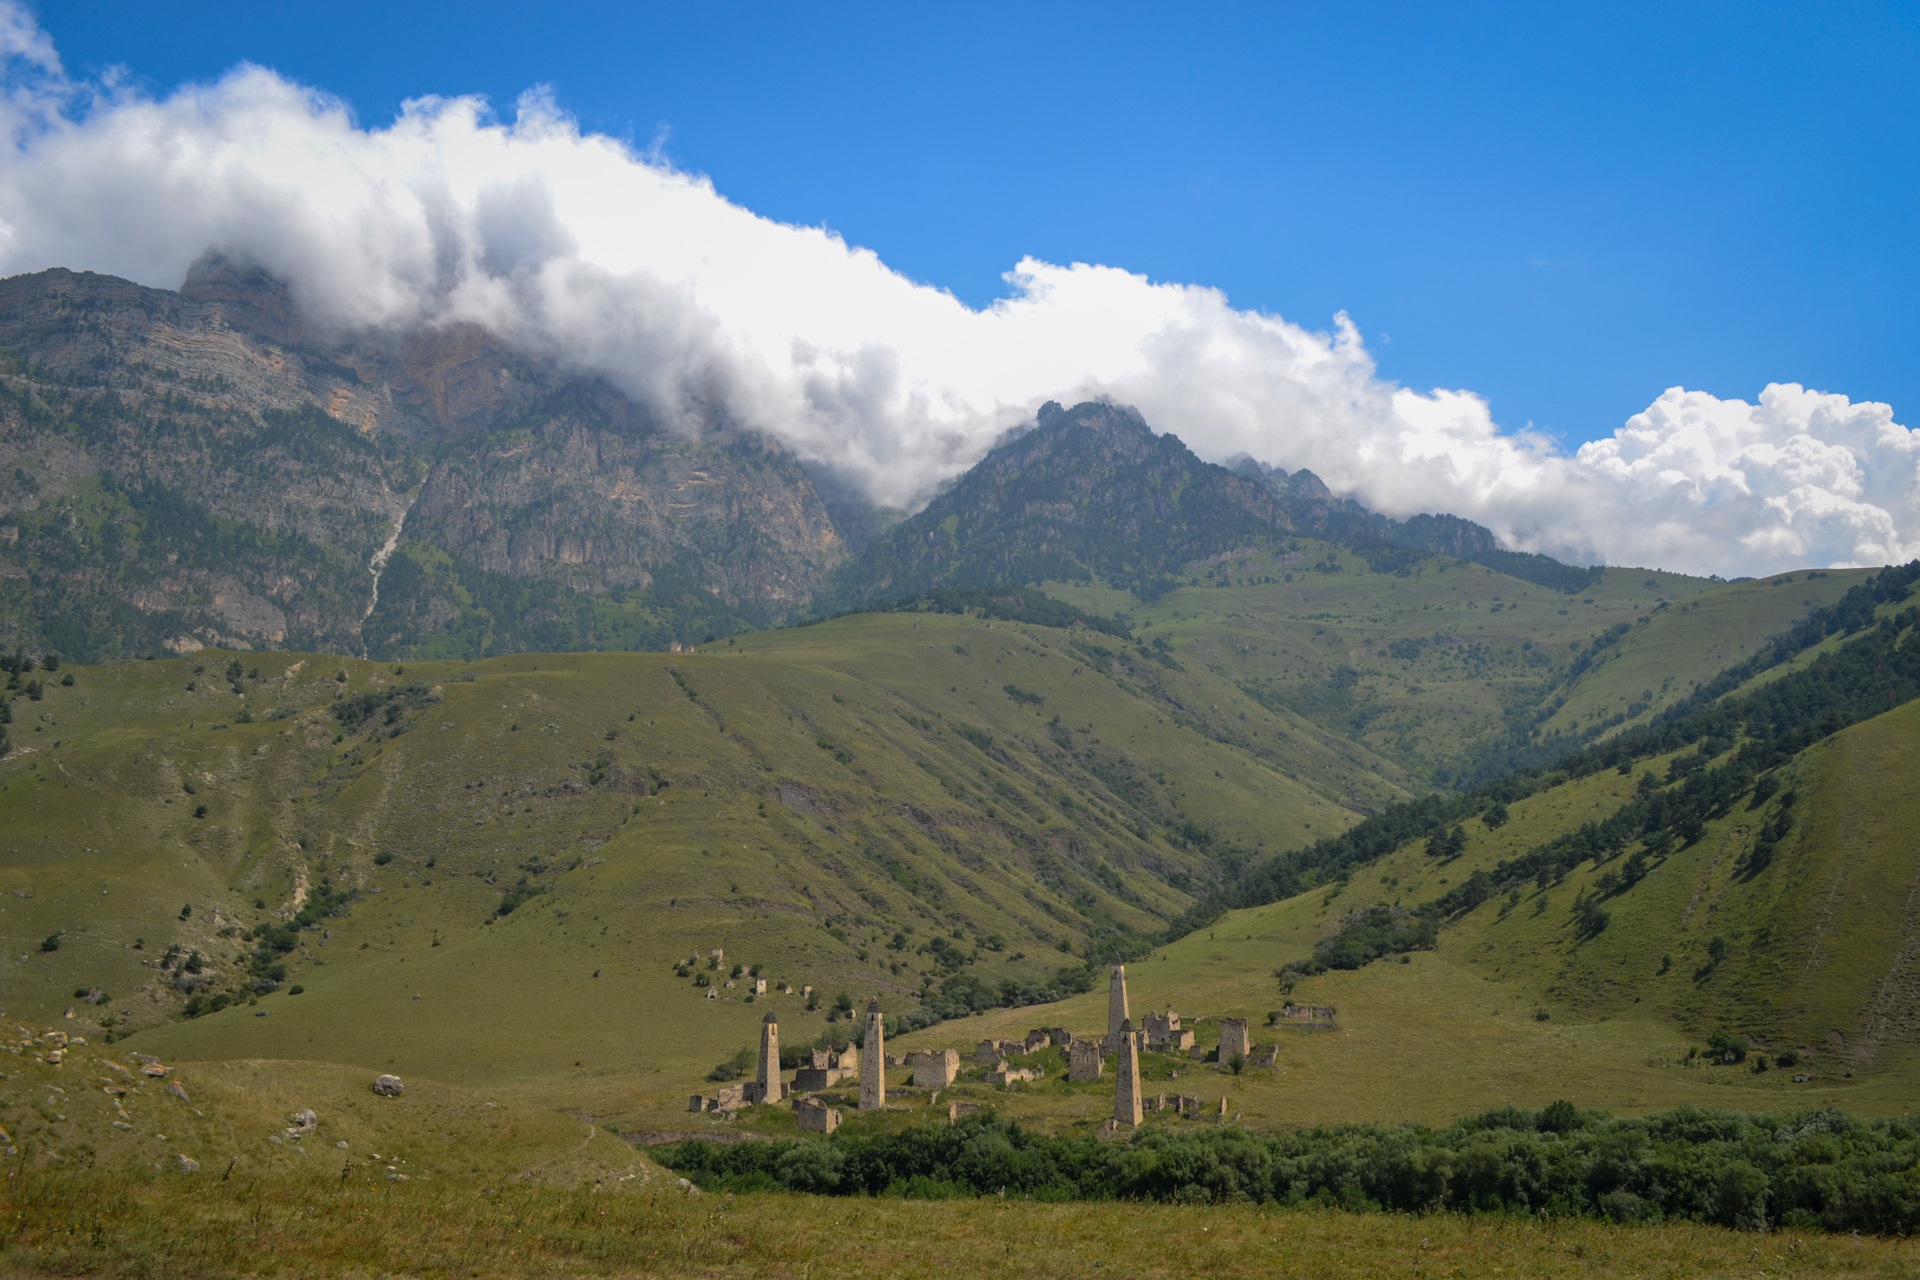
1847, 615
1869, 674
1011, 604
1805, 1170
1850, 613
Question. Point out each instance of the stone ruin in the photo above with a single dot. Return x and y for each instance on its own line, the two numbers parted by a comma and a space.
1234, 1040
1116, 1004
827, 1067
1003, 1074
935, 1069
1264, 1055
816, 1116
730, 1098
873, 1062
766, 1085
820, 1072
1305, 1015
1084, 1064
1126, 1078
1164, 1033
957, 1109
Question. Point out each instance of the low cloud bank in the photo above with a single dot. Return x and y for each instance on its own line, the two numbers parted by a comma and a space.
614, 262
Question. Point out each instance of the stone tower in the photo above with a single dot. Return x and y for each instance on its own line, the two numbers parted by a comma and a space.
766, 1081
1116, 1004
873, 1061
1126, 1077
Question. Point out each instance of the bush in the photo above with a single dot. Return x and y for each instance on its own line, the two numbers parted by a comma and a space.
50, 943
295, 989
1727, 1047
1813, 1169
735, 1067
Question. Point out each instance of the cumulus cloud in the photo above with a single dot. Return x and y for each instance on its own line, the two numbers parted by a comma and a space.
612, 261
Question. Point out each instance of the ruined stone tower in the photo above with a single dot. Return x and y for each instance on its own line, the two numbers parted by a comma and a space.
1126, 1076
1116, 1004
766, 1081
873, 1062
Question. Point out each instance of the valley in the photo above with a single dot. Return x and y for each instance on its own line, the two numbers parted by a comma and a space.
644, 738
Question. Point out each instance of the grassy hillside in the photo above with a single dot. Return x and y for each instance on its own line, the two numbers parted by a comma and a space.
1439, 662
516, 852
797, 799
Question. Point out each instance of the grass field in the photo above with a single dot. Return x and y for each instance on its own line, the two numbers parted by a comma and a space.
825, 803
71, 1224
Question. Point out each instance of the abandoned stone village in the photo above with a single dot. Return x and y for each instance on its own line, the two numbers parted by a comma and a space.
860, 1070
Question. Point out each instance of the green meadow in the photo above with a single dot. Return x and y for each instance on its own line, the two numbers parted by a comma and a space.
504, 881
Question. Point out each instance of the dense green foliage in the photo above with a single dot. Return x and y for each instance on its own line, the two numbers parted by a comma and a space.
1808, 1169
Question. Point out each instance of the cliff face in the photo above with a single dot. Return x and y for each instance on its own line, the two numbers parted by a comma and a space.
206, 468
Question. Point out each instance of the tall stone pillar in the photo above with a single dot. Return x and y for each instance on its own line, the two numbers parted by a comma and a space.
766, 1082
873, 1062
1116, 1004
1126, 1077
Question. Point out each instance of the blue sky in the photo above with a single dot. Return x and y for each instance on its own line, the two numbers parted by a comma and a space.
1564, 208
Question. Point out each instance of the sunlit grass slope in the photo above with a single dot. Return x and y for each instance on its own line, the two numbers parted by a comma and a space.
794, 799
831, 802
1433, 666
1815, 957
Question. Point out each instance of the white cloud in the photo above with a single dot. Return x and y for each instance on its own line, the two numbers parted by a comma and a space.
612, 261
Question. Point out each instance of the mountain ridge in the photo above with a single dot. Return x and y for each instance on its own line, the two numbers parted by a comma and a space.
206, 467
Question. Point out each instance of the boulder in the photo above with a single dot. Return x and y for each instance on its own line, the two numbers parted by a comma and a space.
389, 1086
173, 1087
186, 1164
305, 1119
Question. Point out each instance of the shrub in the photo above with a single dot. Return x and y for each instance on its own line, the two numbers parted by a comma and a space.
1727, 1047
50, 943
1810, 1168
735, 1067
295, 989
